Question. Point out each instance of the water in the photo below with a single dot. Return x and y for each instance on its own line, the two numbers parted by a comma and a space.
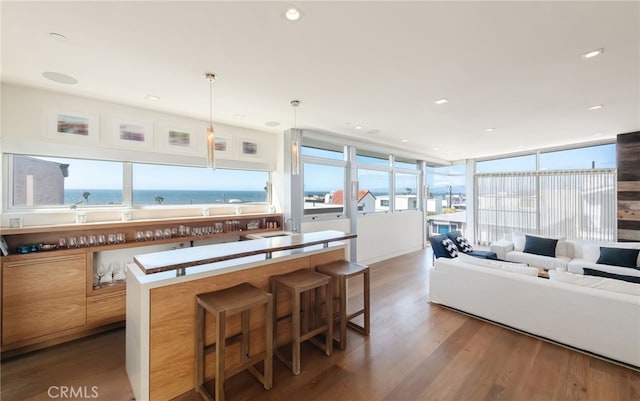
169, 197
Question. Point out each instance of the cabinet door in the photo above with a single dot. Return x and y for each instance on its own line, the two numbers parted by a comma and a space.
43, 296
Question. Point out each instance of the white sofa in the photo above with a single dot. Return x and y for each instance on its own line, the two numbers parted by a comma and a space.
573, 256
602, 322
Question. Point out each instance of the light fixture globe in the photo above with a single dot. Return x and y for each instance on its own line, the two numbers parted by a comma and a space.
211, 137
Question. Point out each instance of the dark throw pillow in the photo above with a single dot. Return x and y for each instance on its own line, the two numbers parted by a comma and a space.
540, 246
450, 247
619, 257
600, 273
463, 244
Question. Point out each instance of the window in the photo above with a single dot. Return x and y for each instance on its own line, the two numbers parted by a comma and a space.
323, 188
324, 153
364, 157
50, 182
373, 194
573, 204
446, 201
408, 164
518, 163
602, 156
406, 195
155, 184
47, 182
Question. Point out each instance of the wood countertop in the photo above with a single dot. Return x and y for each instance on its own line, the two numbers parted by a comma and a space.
182, 258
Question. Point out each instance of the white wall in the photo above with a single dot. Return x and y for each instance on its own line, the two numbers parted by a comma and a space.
386, 235
28, 127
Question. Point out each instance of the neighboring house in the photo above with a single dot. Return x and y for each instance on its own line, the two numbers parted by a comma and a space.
443, 223
366, 200
403, 202
38, 182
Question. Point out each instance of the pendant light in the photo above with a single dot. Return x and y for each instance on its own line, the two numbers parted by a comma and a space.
295, 144
211, 138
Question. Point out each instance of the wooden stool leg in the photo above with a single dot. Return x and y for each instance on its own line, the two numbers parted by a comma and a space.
296, 333
268, 361
367, 300
245, 336
274, 329
342, 283
220, 350
328, 297
200, 333
307, 312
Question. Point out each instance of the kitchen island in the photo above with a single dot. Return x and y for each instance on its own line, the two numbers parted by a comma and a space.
161, 290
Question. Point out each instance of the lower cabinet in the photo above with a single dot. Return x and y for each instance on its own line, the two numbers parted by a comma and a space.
105, 309
43, 296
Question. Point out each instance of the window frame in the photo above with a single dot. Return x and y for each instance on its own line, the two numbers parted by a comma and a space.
127, 189
328, 214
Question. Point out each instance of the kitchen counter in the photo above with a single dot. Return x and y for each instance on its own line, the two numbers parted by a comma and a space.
188, 257
161, 304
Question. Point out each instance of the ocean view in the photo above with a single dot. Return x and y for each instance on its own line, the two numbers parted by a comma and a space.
167, 197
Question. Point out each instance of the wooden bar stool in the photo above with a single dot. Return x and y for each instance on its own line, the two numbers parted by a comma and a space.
299, 284
222, 304
341, 271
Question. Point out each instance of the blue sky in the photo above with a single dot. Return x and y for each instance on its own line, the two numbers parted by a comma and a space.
108, 175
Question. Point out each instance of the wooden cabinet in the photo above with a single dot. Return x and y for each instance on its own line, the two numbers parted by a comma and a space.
48, 296
43, 296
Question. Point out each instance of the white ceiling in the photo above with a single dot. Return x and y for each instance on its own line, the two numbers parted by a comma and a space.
512, 66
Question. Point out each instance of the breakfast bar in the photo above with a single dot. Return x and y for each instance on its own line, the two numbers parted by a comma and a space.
161, 302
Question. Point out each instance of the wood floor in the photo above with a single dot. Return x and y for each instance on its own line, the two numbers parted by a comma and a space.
416, 351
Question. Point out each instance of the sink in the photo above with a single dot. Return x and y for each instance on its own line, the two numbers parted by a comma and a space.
269, 235
277, 234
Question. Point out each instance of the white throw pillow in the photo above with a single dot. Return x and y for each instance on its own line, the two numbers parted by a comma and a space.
602, 283
518, 242
591, 252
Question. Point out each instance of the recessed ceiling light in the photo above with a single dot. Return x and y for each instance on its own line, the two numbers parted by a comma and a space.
441, 101
57, 36
272, 123
292, 14
358, 127
596, 107
60, 78
490, 129
436, 148
593, 53
153, 98
405, 140
239, 116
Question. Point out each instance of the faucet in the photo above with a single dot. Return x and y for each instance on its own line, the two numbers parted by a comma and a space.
293, 224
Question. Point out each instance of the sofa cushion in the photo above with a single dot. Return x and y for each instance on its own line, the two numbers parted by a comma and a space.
460, 241
450, 247
600, 273
519, 268
540, 246
437, 247
463, 245
602, 283
559, 262
483, 254
578, 266
562, 248
619, 257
